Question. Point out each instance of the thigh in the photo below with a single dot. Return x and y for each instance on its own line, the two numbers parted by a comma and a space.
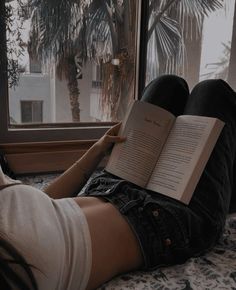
211, 199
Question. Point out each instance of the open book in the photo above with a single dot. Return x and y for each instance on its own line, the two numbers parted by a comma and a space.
163, 153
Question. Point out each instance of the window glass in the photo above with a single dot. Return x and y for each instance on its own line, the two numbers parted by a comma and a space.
74, 61
31, 111
193, 39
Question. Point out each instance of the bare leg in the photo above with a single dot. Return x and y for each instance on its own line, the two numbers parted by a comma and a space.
115, 249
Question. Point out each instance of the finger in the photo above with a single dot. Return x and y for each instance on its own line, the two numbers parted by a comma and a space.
114, 129
114, 139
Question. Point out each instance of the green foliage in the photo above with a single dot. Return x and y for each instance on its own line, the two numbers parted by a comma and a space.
14, 18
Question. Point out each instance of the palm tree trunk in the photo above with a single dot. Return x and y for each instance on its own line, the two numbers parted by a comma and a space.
232, 61
125, 73
73, 90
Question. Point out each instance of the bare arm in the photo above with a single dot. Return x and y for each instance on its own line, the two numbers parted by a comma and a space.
74, 178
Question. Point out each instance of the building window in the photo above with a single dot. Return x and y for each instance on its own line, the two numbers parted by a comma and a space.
31, 111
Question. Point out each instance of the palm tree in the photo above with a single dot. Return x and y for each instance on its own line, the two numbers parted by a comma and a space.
102, 30
113, 23
93, 30
171, 23
54, 24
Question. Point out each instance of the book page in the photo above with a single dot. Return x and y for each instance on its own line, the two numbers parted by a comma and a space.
184, 156
146, 129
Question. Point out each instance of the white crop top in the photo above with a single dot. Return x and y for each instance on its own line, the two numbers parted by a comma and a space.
52, 235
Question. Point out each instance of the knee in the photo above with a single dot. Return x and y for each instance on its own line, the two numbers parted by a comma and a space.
169, 79
211, 98
165, 83
169, 92
212, 89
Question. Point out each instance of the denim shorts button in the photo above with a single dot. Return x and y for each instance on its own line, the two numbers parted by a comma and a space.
168, 242
155, 213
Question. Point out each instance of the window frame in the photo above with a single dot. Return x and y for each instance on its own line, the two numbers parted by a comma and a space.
54, 132
50, 148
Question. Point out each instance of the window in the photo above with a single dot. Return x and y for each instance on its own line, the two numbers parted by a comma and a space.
84, 68
193, 39
31, 111
85, 62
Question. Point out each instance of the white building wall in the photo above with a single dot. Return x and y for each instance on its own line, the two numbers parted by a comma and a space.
85, 90
32, 87
55, 96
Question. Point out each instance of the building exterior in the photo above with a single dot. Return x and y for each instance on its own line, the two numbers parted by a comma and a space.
43, 98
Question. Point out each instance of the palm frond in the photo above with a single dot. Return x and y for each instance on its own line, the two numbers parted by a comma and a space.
195, 10
170, 22
54, 26
98, 37
166, 47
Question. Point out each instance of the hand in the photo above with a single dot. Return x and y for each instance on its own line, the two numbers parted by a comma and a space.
110, 138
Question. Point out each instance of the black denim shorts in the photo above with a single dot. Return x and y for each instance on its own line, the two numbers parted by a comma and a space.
168, 231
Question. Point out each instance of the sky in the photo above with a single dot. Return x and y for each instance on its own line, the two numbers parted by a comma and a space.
217, 30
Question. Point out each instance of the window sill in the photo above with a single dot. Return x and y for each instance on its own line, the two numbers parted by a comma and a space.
44, 157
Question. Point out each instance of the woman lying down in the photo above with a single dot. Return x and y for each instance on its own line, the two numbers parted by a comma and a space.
55, 240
